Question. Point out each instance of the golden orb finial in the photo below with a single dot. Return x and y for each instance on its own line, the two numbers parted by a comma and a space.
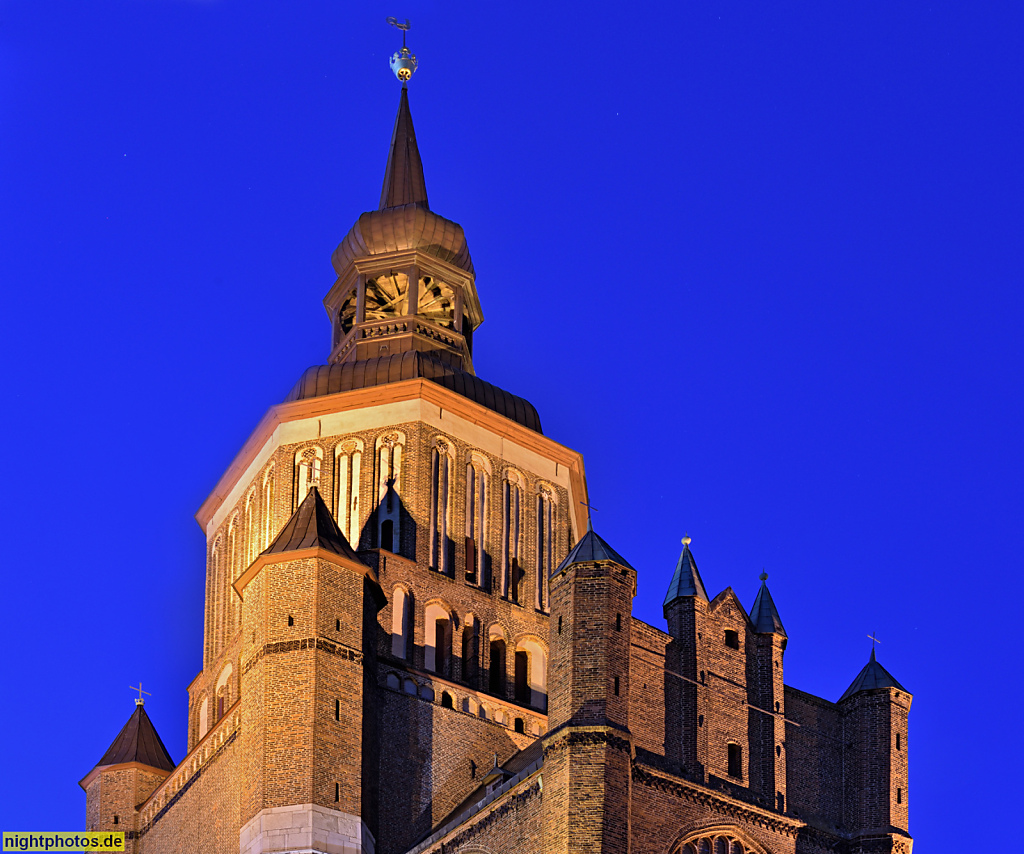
686, 540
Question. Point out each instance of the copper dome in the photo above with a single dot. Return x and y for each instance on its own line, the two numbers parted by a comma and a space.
401, 228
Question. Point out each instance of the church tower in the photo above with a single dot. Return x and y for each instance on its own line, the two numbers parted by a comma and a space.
404, 590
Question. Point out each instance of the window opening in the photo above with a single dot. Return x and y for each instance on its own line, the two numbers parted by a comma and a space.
735, 760
732, 639
522, 677
496, 684
520, 726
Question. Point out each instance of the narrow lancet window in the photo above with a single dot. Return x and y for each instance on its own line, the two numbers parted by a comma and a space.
440, 507
545, 545
308, 463
477, 500
348, 461
269, 530
390, 452
511, 535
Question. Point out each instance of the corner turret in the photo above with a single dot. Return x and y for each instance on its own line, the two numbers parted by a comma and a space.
309, 742
133, 766
589, 746
874, 712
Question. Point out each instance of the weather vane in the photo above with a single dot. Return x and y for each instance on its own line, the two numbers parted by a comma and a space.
403, 63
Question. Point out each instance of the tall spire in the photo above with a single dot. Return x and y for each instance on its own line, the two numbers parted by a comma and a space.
403, 176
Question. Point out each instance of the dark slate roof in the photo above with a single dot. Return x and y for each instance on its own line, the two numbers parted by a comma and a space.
312, 526
413, 364
872, 676
764, 615
138, 742
686, 580
592, 548
403, 177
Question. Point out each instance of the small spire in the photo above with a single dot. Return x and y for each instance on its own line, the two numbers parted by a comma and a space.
764, 615
686, 580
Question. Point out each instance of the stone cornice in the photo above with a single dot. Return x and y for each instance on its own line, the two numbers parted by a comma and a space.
398, 392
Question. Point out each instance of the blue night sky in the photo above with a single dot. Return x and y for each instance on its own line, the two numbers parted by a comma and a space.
760, 263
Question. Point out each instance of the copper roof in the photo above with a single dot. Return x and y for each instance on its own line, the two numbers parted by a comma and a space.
138, 742
398, 229
403, 176
404, 220
312, 526
872, 676
413, 364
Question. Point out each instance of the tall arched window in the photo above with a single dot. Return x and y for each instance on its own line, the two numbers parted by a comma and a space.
251, 534
401, 623
545, 544
478, 470
531, 673
471, 650
437, 639
348, 457
216, 603
231, 603
440, 506
497, 673
511, 534
389, 449
308, 463
269, 529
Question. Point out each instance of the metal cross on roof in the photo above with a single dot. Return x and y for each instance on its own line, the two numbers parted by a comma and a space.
138, 700
874, 640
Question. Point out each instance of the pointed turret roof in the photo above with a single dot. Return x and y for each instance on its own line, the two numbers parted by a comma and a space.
138, 742
872, 676
312, 526
764, 615
592, 548
403, 177
686, 580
